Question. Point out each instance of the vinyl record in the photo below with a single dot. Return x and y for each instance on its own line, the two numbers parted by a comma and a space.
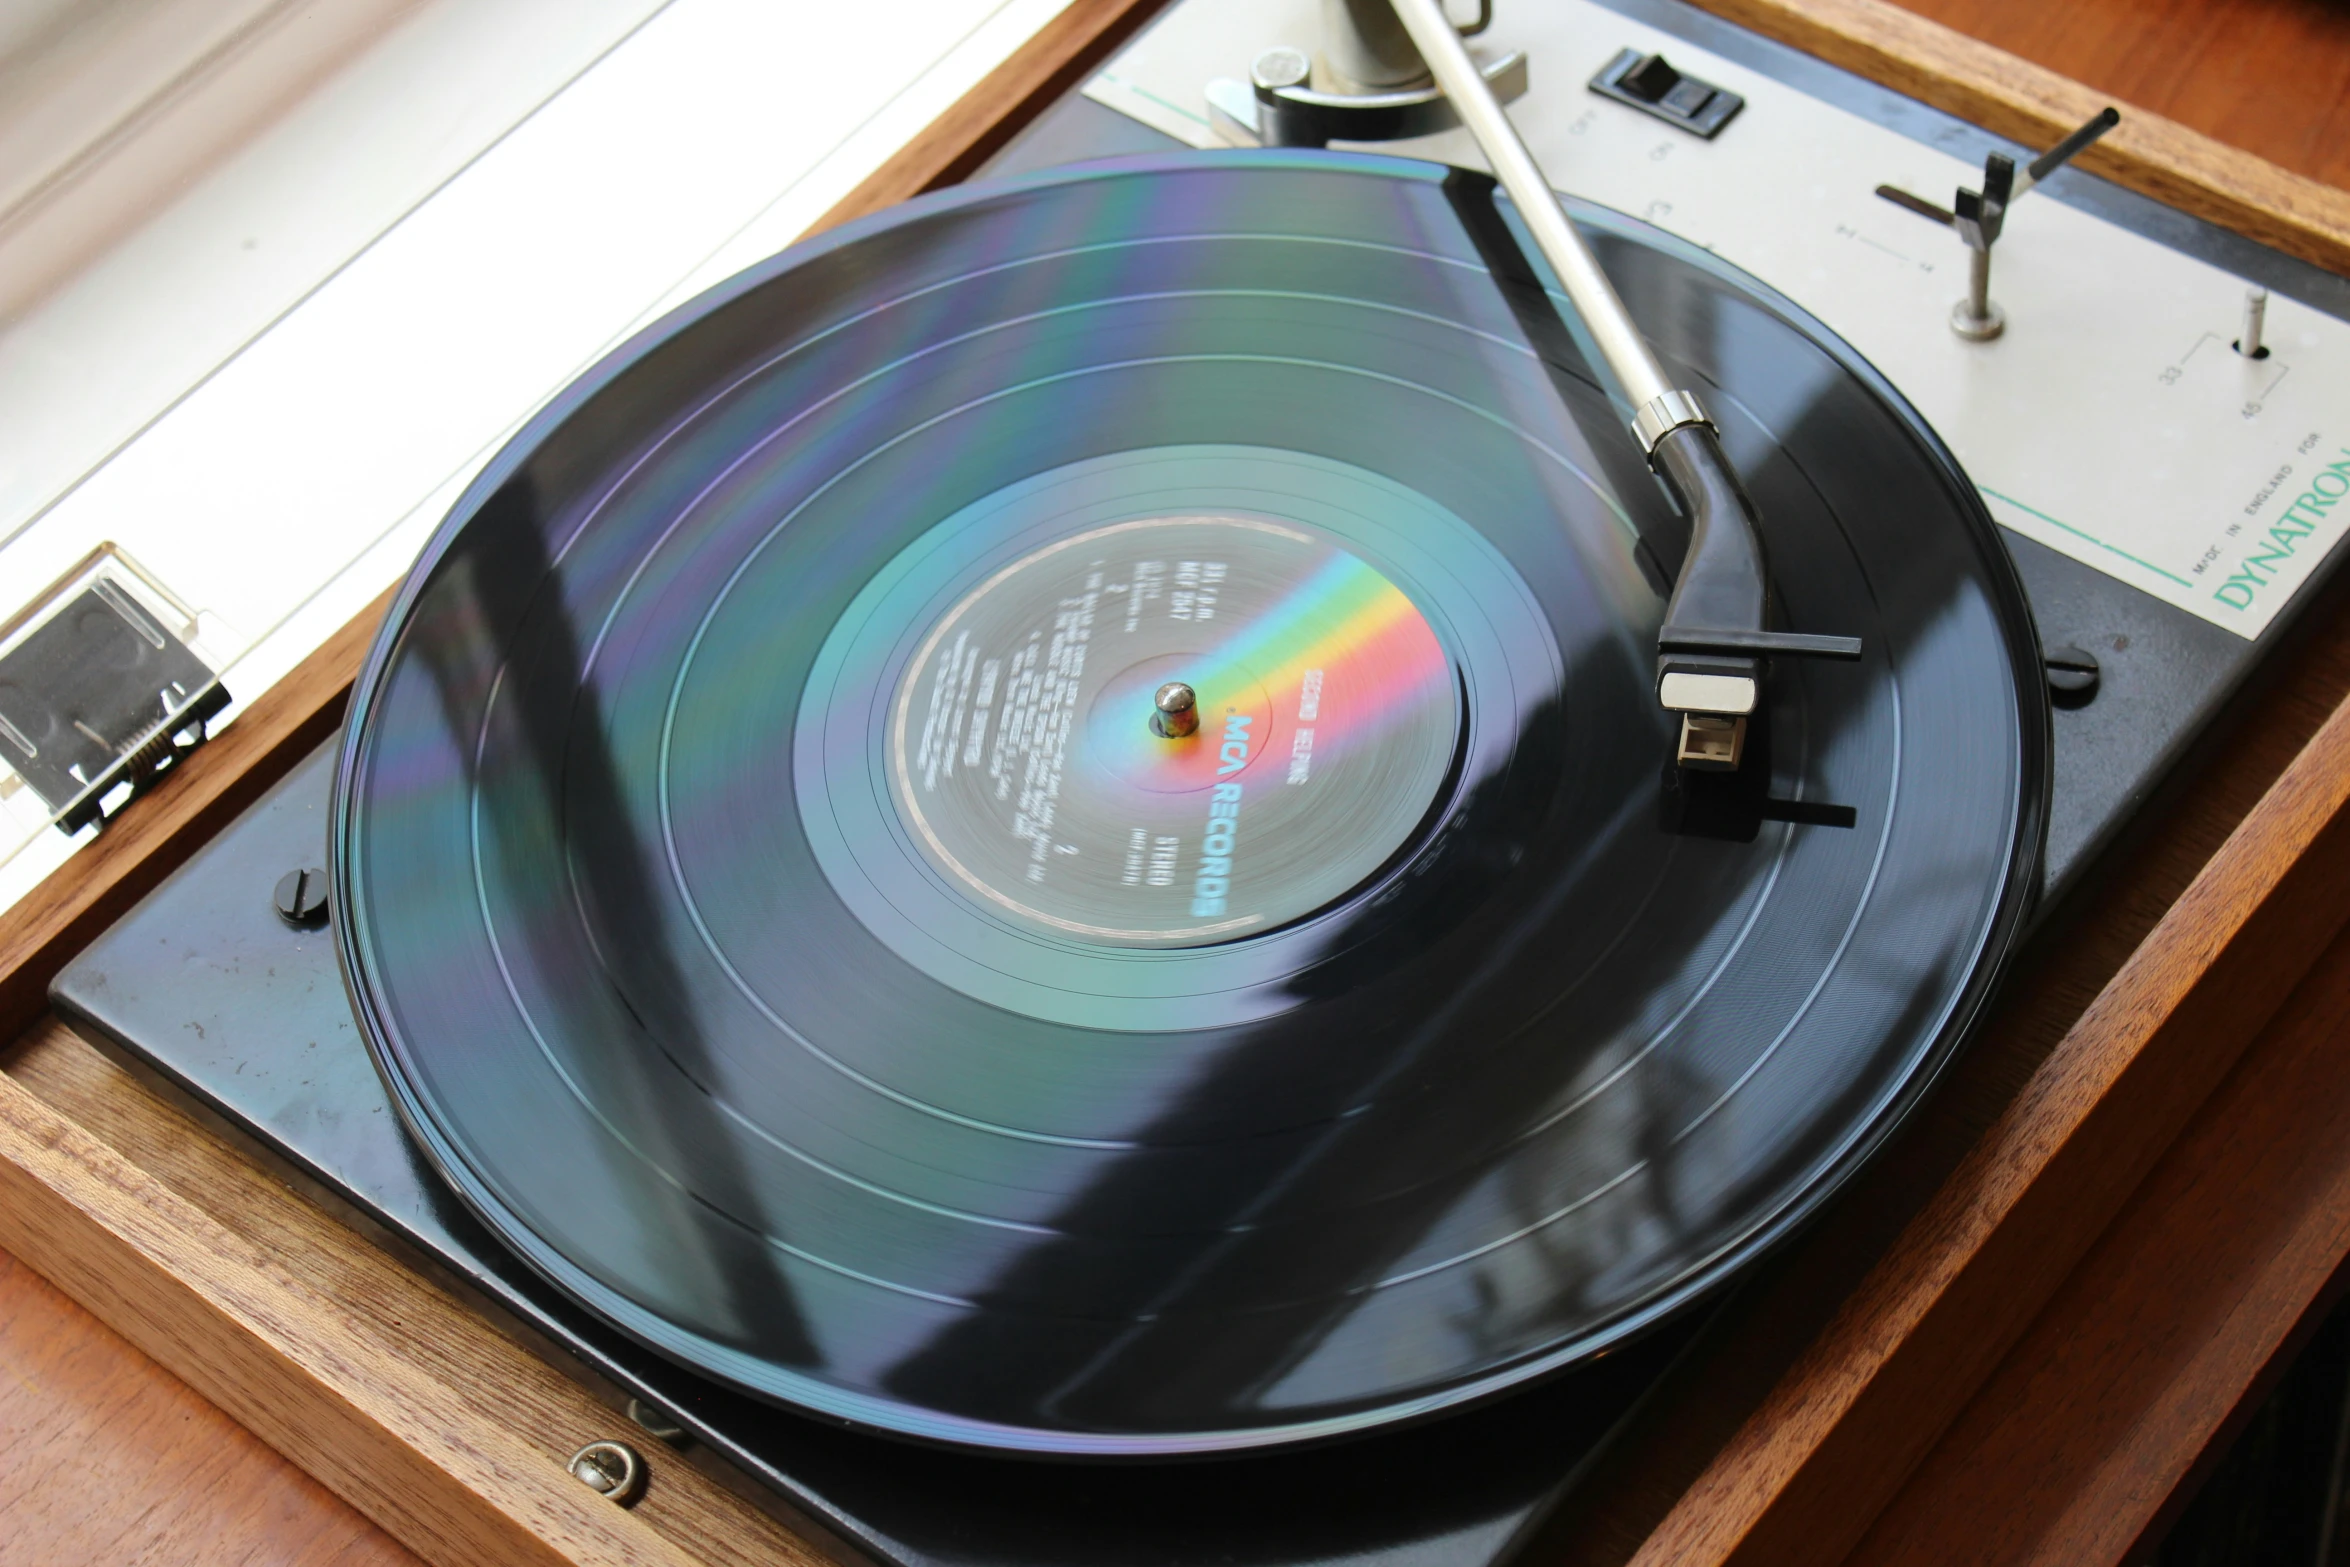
775, 896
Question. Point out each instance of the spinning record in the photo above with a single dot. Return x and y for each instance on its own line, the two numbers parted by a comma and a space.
1042, 823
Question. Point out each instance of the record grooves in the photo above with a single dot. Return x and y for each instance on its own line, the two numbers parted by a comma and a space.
852, 995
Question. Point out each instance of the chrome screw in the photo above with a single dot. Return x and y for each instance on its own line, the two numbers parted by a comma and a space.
612, 1469
2073, 675
301, 898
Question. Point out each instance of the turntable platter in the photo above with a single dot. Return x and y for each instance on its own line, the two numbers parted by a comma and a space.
781, 908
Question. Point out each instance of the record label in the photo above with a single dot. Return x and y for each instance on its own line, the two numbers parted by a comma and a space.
1031, 761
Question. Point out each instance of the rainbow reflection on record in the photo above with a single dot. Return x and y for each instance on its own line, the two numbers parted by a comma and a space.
1024, 758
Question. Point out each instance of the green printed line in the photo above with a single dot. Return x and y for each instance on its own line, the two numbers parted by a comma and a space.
2084, 534
1124, 85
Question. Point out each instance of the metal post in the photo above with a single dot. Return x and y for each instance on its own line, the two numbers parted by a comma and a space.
1976, 318
2255, 322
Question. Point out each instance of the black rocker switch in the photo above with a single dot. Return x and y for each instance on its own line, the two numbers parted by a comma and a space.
1650, 78
1650, 83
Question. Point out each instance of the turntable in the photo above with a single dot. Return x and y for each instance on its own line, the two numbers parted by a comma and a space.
1217, 837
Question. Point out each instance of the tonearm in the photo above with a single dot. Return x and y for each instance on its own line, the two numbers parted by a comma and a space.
1715, 645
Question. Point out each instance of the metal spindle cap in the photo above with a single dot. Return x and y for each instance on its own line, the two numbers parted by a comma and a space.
1174, 710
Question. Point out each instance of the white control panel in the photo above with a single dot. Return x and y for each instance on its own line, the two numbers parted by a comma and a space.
2113, 419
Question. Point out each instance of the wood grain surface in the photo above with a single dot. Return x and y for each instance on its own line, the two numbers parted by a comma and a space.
398, 1396
2072, 1450
106, 1457
1842, 1429
2269, 76
123, 1155
2010, 95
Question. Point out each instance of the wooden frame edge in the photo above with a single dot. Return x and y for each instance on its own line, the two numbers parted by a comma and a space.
1808, 1471
208, 1305
2094, 1431
2011, 97
387, 1358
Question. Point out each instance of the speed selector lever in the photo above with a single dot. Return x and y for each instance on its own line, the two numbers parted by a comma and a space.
1979, 216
